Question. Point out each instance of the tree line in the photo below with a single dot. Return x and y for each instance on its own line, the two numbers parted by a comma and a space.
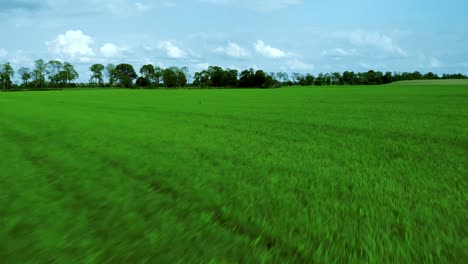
56, 74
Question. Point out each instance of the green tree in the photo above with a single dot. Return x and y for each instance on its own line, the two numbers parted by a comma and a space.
39, 73
387, 78
142, 82
231, 78
25, 74
147, 71
202, 79
157, 76
124, 74
246, 78
336, 78
169, 78
349, 78
6, 73
320, 80
181, 77
53, 68
260, 79
68, 74
97, 75
216, 76
109, 73
282, 77
295, 77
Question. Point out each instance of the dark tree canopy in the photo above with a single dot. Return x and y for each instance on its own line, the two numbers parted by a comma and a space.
124, 74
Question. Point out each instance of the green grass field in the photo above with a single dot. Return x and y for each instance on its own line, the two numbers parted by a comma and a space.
433, 82
293, 175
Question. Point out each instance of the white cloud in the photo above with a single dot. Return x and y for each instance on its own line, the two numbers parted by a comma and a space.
232, 49
143, 7
434, 62
111, 50
172, 51
3, 52
339, 52
260, 5
361, 38
297, 65
72, 44
20, 59
268, 51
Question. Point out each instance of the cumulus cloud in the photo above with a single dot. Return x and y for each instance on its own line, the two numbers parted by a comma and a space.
260, 5
377, 40
268, 51
172, 51
111, 50
72, 44
232, 49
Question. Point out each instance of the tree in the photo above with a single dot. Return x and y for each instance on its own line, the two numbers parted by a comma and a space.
349, 78
39, 73
246, 78
6, 73
169, 78
109, 69
296, 77
282, 77
157, 77
142, 82
181, 77
216, 76
336, 78
430, 76
320, 80
260, 79
124, 74
307, 80
387, 78
68, 74
231, 78
25, 74
202, 79
148, 73
97, 76
53, 68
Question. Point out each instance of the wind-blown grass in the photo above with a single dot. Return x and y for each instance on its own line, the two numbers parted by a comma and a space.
331, 174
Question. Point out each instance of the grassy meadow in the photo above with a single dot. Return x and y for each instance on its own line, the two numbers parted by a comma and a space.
294, 175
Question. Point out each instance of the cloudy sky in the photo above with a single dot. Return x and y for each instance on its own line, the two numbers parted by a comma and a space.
274, 35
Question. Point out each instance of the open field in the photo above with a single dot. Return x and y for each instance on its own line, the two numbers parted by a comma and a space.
438, 82
293, 175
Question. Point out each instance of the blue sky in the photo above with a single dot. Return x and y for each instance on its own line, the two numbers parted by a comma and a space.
274, 35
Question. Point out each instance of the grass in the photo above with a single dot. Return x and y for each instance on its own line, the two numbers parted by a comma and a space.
433, 82
294, 175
